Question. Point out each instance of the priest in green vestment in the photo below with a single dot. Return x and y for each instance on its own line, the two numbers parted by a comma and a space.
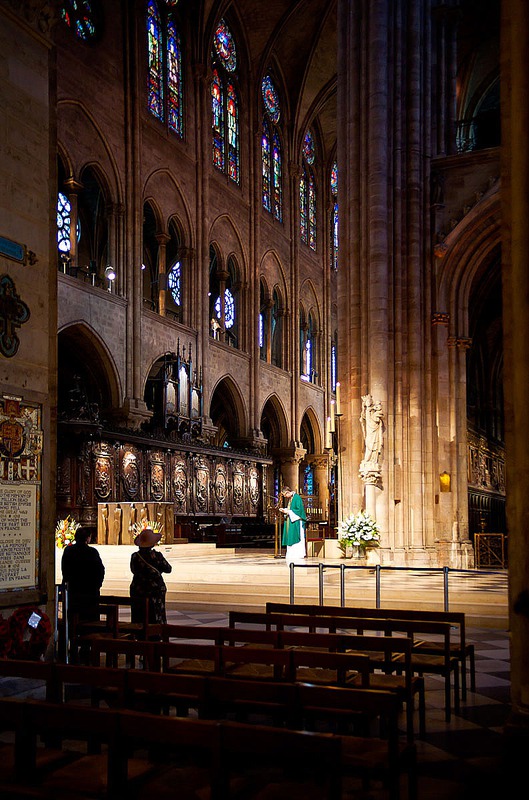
294, 526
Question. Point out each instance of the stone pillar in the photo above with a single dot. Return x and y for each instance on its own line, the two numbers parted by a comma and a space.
293, 362
515, 196
320, 464
115, 215
290, 459
162, 239
73, 188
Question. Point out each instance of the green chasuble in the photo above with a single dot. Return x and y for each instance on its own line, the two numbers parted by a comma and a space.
291, 530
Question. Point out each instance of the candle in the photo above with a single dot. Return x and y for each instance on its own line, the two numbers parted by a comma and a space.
332, 428
328, 439
338, 403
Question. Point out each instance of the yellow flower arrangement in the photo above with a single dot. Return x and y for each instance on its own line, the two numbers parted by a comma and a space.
154, 525
65, 532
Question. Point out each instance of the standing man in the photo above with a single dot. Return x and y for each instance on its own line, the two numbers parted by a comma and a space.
294, 526
83, 572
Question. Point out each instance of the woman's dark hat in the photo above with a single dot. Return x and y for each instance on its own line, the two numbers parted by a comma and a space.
147, 538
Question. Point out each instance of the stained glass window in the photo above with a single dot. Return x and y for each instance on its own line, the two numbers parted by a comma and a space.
79, 15
334, 217
266, 166
277, 179
225, 46
154, 41
271, 99
63, 223
312, 212
307, 194
174, 80
233, 135
217, 123
165, 81
271, 151
303, 206
173, 282
225, 104
229, 309
308, 148
308, 480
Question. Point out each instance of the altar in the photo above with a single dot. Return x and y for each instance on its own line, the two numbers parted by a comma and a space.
117, 523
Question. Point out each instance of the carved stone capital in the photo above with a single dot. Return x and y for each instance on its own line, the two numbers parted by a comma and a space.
440, 249
440, 318
370, 474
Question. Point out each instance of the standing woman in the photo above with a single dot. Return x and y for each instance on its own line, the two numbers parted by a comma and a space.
294, 526
147, 566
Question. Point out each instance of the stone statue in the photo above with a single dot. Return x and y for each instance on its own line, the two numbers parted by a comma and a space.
372, 423
118, 514
104, 520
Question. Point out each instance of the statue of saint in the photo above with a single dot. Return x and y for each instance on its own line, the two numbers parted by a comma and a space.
371, 420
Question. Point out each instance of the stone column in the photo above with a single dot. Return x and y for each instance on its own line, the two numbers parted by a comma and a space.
293, 362
320, 464
115, 216
515, 196
290, 458
162, 239
73, 188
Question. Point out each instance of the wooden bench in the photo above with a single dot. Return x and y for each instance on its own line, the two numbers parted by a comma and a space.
130, 653
155, 756
463, 650
444, 664
383, 653
385, 757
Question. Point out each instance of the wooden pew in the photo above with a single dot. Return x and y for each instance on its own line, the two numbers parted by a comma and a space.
95, 686
196, 658
159, 692
168, 632
384, 757
276, 762
85, 729
463, 650
389, 665
443, 664
129, 653
383, 653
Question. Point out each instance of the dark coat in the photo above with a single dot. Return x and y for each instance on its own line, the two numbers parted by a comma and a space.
84, 572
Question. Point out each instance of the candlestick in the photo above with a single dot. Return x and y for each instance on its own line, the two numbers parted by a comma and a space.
332, 428
338, 403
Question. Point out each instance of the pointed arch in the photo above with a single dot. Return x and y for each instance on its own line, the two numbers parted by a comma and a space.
82, 352
228, 412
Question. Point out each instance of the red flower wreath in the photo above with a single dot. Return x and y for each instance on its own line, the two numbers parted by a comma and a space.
30, 631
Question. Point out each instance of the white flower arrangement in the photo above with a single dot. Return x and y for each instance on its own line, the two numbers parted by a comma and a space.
359, 530
65, 532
